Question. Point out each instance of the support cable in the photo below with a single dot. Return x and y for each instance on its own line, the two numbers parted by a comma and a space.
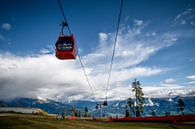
113, 53
65, 23
87, 79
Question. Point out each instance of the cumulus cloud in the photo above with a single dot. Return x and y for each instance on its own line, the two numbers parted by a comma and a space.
42, 76
169, 81
153, 33
158, 91
6, 26
103, 36
192, 82
191, 77
46, 77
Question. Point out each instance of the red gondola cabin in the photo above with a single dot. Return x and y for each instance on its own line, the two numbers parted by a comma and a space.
66, 47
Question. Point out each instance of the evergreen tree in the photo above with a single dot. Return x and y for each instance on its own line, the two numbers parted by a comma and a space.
153, 113
167, 113
180, 106
130, 106
126, 111
139, 99
86, 112
74, 111
79, 113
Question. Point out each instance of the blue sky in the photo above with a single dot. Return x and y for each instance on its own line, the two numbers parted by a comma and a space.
155, 45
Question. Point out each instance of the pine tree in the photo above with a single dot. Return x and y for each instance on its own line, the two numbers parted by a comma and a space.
153, 113
74, 111
180, 106
130, 106
79, 113
86, 112
126, 111
139, 99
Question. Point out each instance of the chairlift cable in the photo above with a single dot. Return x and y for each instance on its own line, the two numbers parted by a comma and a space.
65, 20
113, 53
87, 79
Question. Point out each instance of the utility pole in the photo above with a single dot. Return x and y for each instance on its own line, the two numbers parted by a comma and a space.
99, 107
101, 110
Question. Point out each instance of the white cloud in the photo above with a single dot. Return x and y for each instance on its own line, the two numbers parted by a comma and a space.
159, 91
169, 81
153, 33
171, 85
171, 38
137, 27
191, 77
103, 36
138, 22
6, 26
186, 17
47, 50
174, 39
43, 76
44, 51
177, 17
46, 77
192, 82
131, 48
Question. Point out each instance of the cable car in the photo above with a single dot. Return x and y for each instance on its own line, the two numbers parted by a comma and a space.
66, 45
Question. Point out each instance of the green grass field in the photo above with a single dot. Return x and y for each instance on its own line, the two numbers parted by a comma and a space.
24, 121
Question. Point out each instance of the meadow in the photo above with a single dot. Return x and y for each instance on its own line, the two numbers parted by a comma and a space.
28, 121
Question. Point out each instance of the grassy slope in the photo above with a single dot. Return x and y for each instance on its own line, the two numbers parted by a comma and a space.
21, 121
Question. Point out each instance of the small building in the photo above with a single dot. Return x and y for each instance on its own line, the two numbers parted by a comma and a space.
20, 110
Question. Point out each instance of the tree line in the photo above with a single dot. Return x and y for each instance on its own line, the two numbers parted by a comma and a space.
136, 107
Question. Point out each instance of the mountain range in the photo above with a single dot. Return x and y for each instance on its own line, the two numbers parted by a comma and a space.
115, 108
